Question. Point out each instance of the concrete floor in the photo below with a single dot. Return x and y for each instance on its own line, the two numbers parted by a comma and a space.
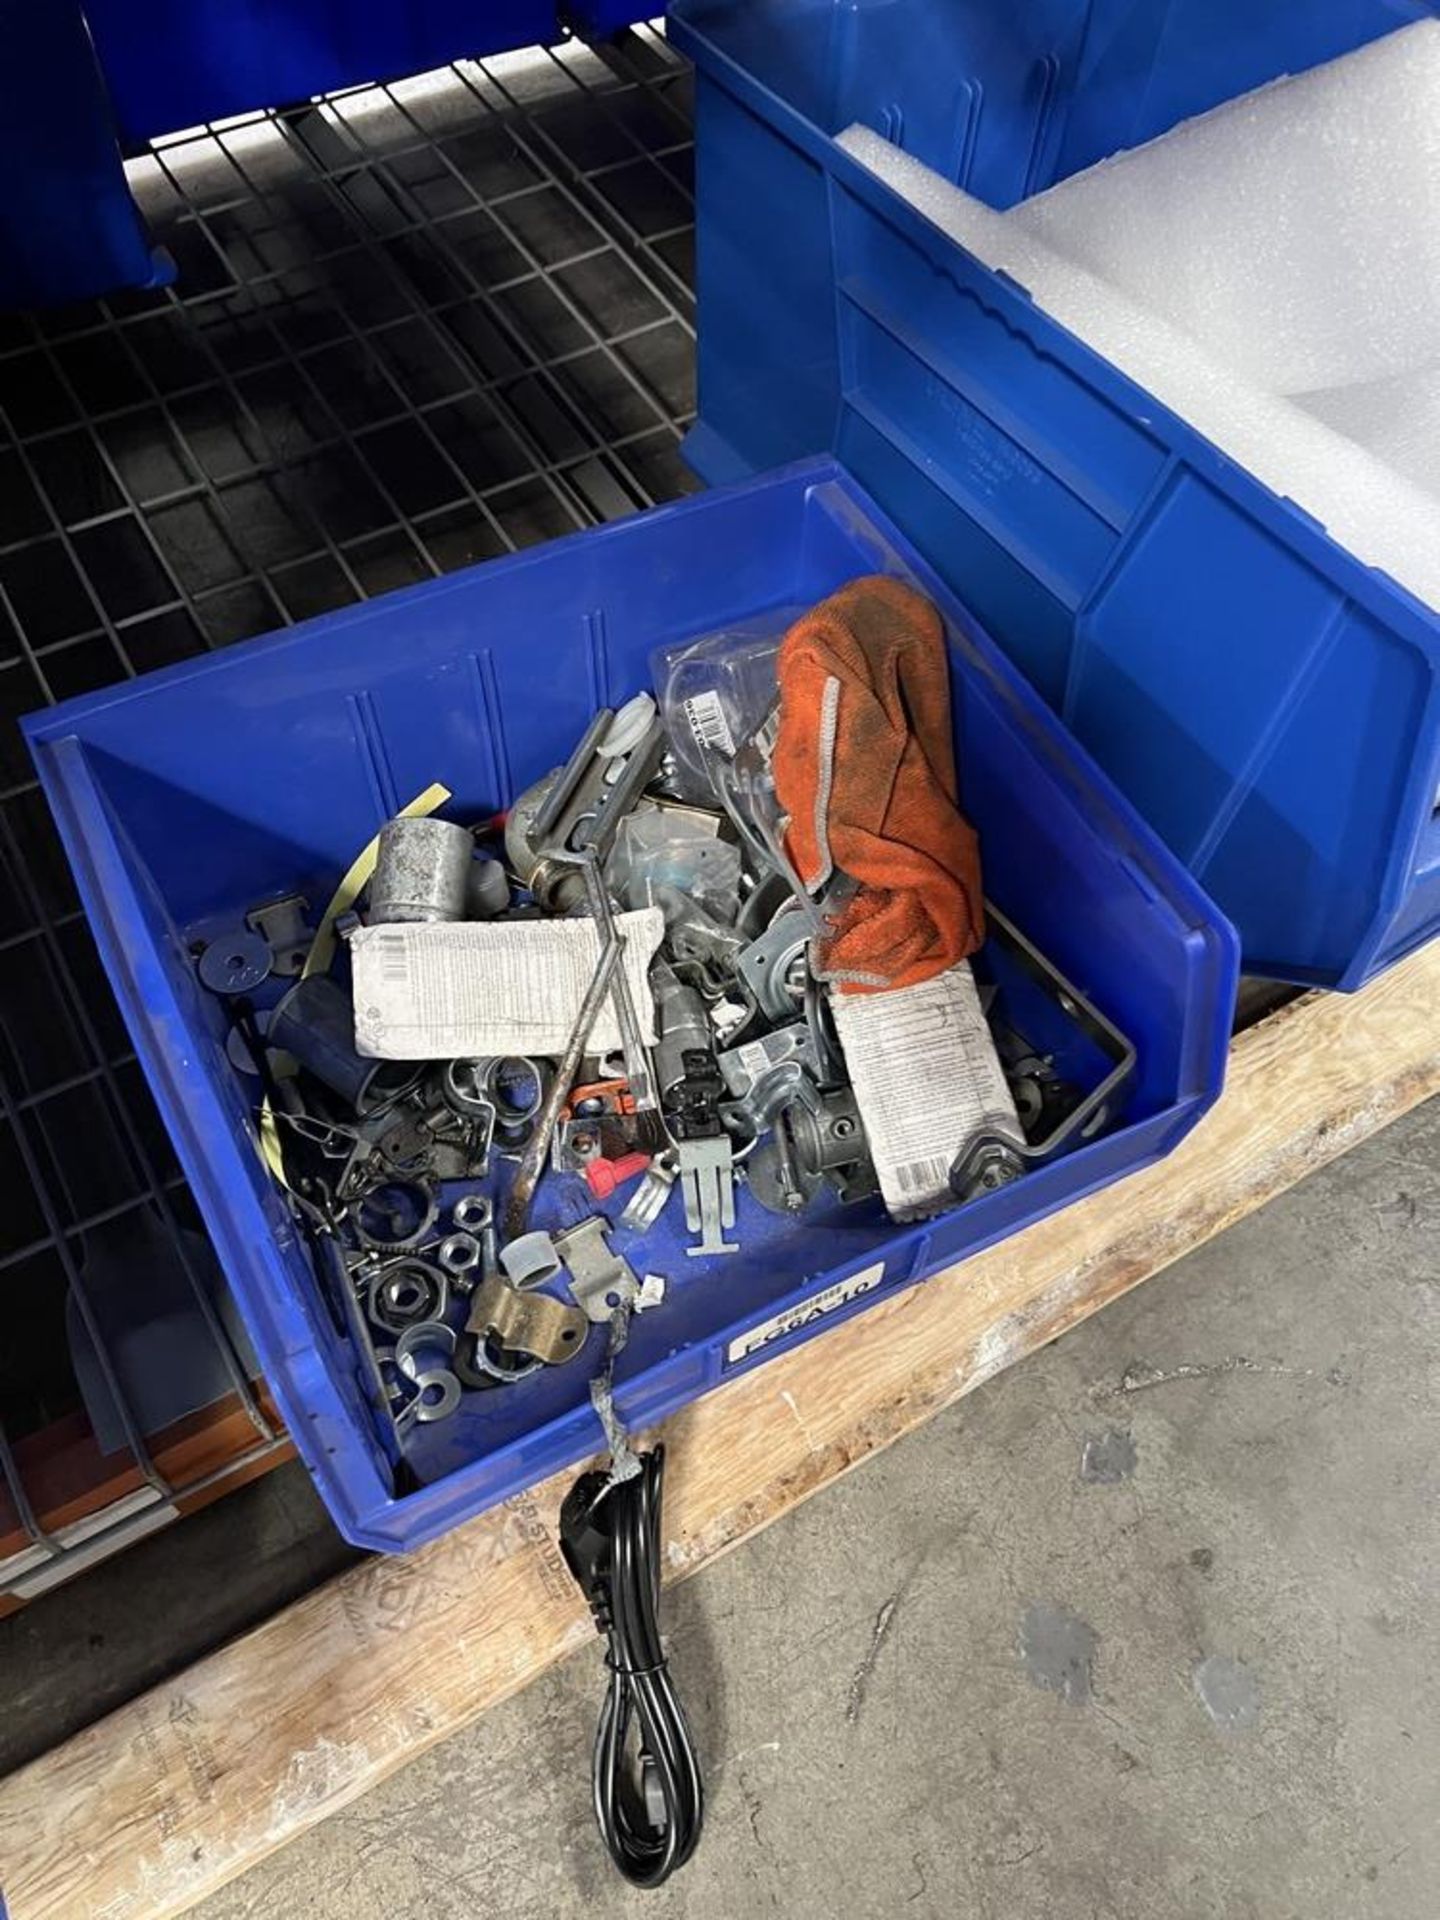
1146, 1627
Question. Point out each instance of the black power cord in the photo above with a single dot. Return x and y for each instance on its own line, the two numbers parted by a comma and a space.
649, 1798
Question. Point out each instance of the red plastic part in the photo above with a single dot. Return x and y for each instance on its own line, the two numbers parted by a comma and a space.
604, 1176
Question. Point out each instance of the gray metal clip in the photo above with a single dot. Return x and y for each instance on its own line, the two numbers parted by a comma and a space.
600, 1279
707, 1186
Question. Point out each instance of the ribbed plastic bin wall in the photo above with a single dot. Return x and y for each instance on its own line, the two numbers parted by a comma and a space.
1268, 703
185, 796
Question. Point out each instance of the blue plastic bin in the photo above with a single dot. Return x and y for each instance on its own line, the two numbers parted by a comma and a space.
178, 63
1268, 703
598, 19
185, 796
69, 228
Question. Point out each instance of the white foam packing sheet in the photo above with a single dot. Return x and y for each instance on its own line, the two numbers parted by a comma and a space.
1397, 419
1293, 230
1375, 500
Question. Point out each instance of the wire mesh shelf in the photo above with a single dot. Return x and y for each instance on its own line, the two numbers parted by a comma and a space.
414, 326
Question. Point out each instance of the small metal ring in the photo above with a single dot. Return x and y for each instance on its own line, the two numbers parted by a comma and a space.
385, 1307
468, 1370
481, 1366
437, 1381
472, 1212
426, 1336
458, 1252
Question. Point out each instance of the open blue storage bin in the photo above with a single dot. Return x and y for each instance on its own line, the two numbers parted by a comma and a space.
1268, 702
187, 795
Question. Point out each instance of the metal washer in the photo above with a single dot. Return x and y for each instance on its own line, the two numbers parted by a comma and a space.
436, 1380
237, 1048
236, 963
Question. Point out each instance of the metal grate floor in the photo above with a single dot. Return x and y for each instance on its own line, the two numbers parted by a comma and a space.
414, 326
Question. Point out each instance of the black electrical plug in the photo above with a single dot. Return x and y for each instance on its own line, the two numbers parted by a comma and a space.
587, 1544
649, 1798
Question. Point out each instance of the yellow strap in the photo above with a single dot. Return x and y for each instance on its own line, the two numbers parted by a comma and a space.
322, 947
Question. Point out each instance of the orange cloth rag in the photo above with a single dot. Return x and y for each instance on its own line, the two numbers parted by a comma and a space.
864, 766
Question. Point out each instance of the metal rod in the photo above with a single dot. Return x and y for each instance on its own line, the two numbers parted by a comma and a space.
20, 1499
547, 814
637, 1061
537, 1148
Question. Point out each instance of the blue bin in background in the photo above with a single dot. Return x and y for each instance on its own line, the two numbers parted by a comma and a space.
68, 226
178, 63
78, 82
188, 795
598, 19
1268, 702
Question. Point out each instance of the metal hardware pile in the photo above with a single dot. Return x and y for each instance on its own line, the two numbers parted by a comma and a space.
416, 1178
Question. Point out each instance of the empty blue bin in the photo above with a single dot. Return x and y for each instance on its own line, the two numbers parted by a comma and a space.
187, 795
1267, 701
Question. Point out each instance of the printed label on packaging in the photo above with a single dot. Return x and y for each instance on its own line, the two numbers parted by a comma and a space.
815, 1308
708, 723
484, 987
927, 1079
754, 1058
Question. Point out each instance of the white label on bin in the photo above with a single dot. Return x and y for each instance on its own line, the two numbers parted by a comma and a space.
927, 1079
708, 723
815, 1308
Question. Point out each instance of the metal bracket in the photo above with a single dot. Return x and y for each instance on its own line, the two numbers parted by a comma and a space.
600, 1279
751, 1060
647, 1202
768, 967
989, 1160
707, 1185
531, 1323
283, 924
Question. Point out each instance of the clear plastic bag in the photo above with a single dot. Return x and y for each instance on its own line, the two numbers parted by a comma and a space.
719, 700
716, 692
664, 852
